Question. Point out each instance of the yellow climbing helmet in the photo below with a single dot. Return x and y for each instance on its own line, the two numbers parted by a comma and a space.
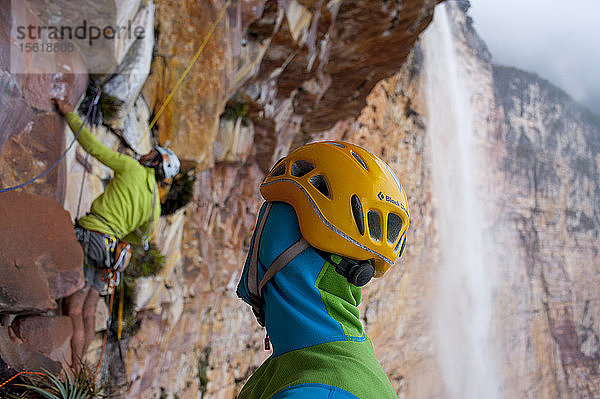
348, 201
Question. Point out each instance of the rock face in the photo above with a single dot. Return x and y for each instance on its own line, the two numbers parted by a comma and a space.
303, 46
274, 75
40, 262
299, 65
40, 257
540, 182
50, 336
31, 138
550, 179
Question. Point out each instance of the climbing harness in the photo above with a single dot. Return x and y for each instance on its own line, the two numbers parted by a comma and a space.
117, 252
97, 97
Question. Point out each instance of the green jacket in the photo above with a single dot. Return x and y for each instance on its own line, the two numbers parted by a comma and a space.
126, 202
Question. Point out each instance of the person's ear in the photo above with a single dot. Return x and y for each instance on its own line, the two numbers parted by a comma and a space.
163, 189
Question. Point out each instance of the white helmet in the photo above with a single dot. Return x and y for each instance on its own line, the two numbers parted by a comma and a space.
170, 162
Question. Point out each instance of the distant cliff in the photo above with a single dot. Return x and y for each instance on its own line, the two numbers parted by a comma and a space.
550, 167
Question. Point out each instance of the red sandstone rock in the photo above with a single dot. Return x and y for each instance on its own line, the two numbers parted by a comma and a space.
40, 259
18, 357
22, 96
31, 152
50, 336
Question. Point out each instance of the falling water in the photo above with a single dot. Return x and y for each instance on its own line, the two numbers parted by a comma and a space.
463, 302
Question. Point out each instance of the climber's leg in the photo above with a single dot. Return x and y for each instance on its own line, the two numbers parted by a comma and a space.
74, 308
89, 317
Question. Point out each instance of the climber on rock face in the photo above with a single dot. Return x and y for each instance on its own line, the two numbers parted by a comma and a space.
335, 216
124, 213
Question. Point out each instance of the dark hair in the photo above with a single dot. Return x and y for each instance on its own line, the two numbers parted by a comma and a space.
159, 172
180, 193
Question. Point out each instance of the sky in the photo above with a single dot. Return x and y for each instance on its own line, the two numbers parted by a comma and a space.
558, 40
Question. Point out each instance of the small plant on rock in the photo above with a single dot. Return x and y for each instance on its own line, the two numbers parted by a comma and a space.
51, 386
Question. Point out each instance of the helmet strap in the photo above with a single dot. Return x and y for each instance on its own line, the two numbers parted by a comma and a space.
357, 273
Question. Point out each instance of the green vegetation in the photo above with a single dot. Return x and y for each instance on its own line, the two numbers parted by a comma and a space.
237, 110
143, 264
202, 370
51, 386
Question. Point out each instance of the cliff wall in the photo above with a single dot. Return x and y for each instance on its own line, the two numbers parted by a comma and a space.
274, 75
549, 198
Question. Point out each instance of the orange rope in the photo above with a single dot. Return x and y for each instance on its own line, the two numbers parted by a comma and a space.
18, 374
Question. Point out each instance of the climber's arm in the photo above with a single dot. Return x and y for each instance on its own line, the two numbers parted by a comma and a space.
114, 160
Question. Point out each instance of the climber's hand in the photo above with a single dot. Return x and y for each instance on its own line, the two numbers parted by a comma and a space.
62, 106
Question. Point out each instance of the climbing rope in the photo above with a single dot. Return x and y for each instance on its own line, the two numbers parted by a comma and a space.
18, 374
149, 128
110, 306
96, 98
187, 70
85, 163
158, 114
120, 314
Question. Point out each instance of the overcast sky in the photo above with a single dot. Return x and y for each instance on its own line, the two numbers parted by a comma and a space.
557, 39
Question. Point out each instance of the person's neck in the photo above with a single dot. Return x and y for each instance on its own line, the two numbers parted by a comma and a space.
301, 312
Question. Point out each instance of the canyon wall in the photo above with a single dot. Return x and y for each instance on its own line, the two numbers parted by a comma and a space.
271, 74
547, 149
274, 75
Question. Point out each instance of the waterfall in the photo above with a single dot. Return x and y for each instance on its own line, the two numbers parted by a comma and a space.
462, 303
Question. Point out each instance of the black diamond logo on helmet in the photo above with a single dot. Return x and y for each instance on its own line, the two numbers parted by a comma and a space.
381, 196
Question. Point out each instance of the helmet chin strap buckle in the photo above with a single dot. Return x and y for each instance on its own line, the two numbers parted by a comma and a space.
357, 273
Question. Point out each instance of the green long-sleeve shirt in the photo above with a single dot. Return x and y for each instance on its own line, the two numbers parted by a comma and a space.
126, 203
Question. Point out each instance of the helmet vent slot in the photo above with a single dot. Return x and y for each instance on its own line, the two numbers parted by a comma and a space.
278, 171
337, 145
360, 160
394, 226
357, 211
301, 167
374, 220
320, 184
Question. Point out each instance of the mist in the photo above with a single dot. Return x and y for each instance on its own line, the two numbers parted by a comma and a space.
558, 41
